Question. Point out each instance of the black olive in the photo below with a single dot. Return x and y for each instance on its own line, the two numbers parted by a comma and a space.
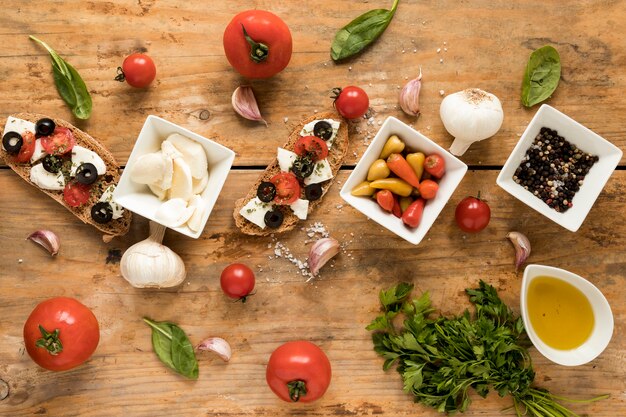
45, 127
266, 191
323, 130
86, 173
313, 192
52, 163
302, 167
102, 212
12, 142
273, 219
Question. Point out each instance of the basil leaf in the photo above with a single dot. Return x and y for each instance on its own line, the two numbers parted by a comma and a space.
69, 83
173, 348
542, 75
361, 32
162, 343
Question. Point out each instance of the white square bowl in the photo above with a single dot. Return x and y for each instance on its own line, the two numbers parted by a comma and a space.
455, 170
609, 156
139, 199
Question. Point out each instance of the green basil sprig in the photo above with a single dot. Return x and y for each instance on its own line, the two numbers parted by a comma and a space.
173, 348
542, 75
361, 32
70, 85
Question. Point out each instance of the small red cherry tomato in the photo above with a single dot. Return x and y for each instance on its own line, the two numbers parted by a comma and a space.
435, 165
287, 188
298, 371
351, 102
28, 148
311, 145
428, 189
138, 70
385, 200
413, 214
237, 281
60, 142
76, 194
472, 214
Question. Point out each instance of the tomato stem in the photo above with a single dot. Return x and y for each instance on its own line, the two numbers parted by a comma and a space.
50, 341
297, 389
259, 51
120, 75
478, 195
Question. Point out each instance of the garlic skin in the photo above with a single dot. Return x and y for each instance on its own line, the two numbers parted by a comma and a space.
217, 345
409, 97
470, 116
48, 239
149, 264
522, 247
244, 103
321, 252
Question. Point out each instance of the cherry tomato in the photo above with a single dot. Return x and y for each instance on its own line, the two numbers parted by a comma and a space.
287, 188
311, 145
61, 333
351, 102
428, 189
257, 44
76, 194
237, 281
435, 165
28, 148
298, 371
138, 70
413, 214
60, 142
472, 214
385, 200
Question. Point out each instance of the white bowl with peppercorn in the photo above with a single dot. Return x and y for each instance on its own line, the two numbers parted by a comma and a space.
559, 167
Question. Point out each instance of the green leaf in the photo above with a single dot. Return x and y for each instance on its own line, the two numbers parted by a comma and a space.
542, 75
173, 348
69, 83
361, 32
162, 344
392, 298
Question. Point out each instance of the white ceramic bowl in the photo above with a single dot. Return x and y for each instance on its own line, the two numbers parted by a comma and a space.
139, 199
585, 140
603, 318
455, 170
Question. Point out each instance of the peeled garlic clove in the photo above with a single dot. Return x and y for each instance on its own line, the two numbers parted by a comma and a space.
321, 252
47, 239
522, 248
244, 103
409, 97
217, 345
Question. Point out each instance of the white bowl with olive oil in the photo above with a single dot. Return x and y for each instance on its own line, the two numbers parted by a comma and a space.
566, 317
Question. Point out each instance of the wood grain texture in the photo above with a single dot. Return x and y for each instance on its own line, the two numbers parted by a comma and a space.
488, 43
125, 378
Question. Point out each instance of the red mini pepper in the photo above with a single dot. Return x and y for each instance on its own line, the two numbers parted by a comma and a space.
399, 166
397, 211
385, 199
428, 189
435, 165
413, 214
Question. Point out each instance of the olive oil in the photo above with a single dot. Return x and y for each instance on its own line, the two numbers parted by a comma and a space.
560, 313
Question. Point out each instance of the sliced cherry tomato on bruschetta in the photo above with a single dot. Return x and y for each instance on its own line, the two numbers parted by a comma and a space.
287, 188
28, 148
315, 147
58, 143
76, 194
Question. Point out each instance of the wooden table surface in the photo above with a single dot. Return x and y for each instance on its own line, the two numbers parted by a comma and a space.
488, 43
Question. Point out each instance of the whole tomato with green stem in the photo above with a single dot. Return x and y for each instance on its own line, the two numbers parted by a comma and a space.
257, 44
61, 333
298, 371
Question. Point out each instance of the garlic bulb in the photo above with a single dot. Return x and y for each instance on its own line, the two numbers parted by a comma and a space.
149, 264
470, 116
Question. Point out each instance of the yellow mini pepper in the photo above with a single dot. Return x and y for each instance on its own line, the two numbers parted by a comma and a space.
416, 160
395, 185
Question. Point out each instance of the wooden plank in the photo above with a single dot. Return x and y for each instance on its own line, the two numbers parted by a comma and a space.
487, 42
125, 378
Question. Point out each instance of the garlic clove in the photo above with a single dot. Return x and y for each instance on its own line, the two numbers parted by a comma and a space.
522, 248
409, 97
217, 345
48, 239
245, 104
321, 252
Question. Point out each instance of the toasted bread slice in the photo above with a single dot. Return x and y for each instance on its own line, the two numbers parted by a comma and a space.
117, 227
335, 158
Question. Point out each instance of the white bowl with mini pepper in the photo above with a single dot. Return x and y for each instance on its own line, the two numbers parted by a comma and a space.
414, 141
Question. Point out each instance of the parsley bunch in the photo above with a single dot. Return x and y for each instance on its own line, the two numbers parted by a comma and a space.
441, 358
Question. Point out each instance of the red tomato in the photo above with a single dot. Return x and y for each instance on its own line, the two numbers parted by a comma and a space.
138, 70
61, 333
76, 194
28, 148
472, 214
298, 371
413, 214
257, 44
428, 189
237, 281
60, 142
287, 188
385, 200
351, 102
311, 145
435, 165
